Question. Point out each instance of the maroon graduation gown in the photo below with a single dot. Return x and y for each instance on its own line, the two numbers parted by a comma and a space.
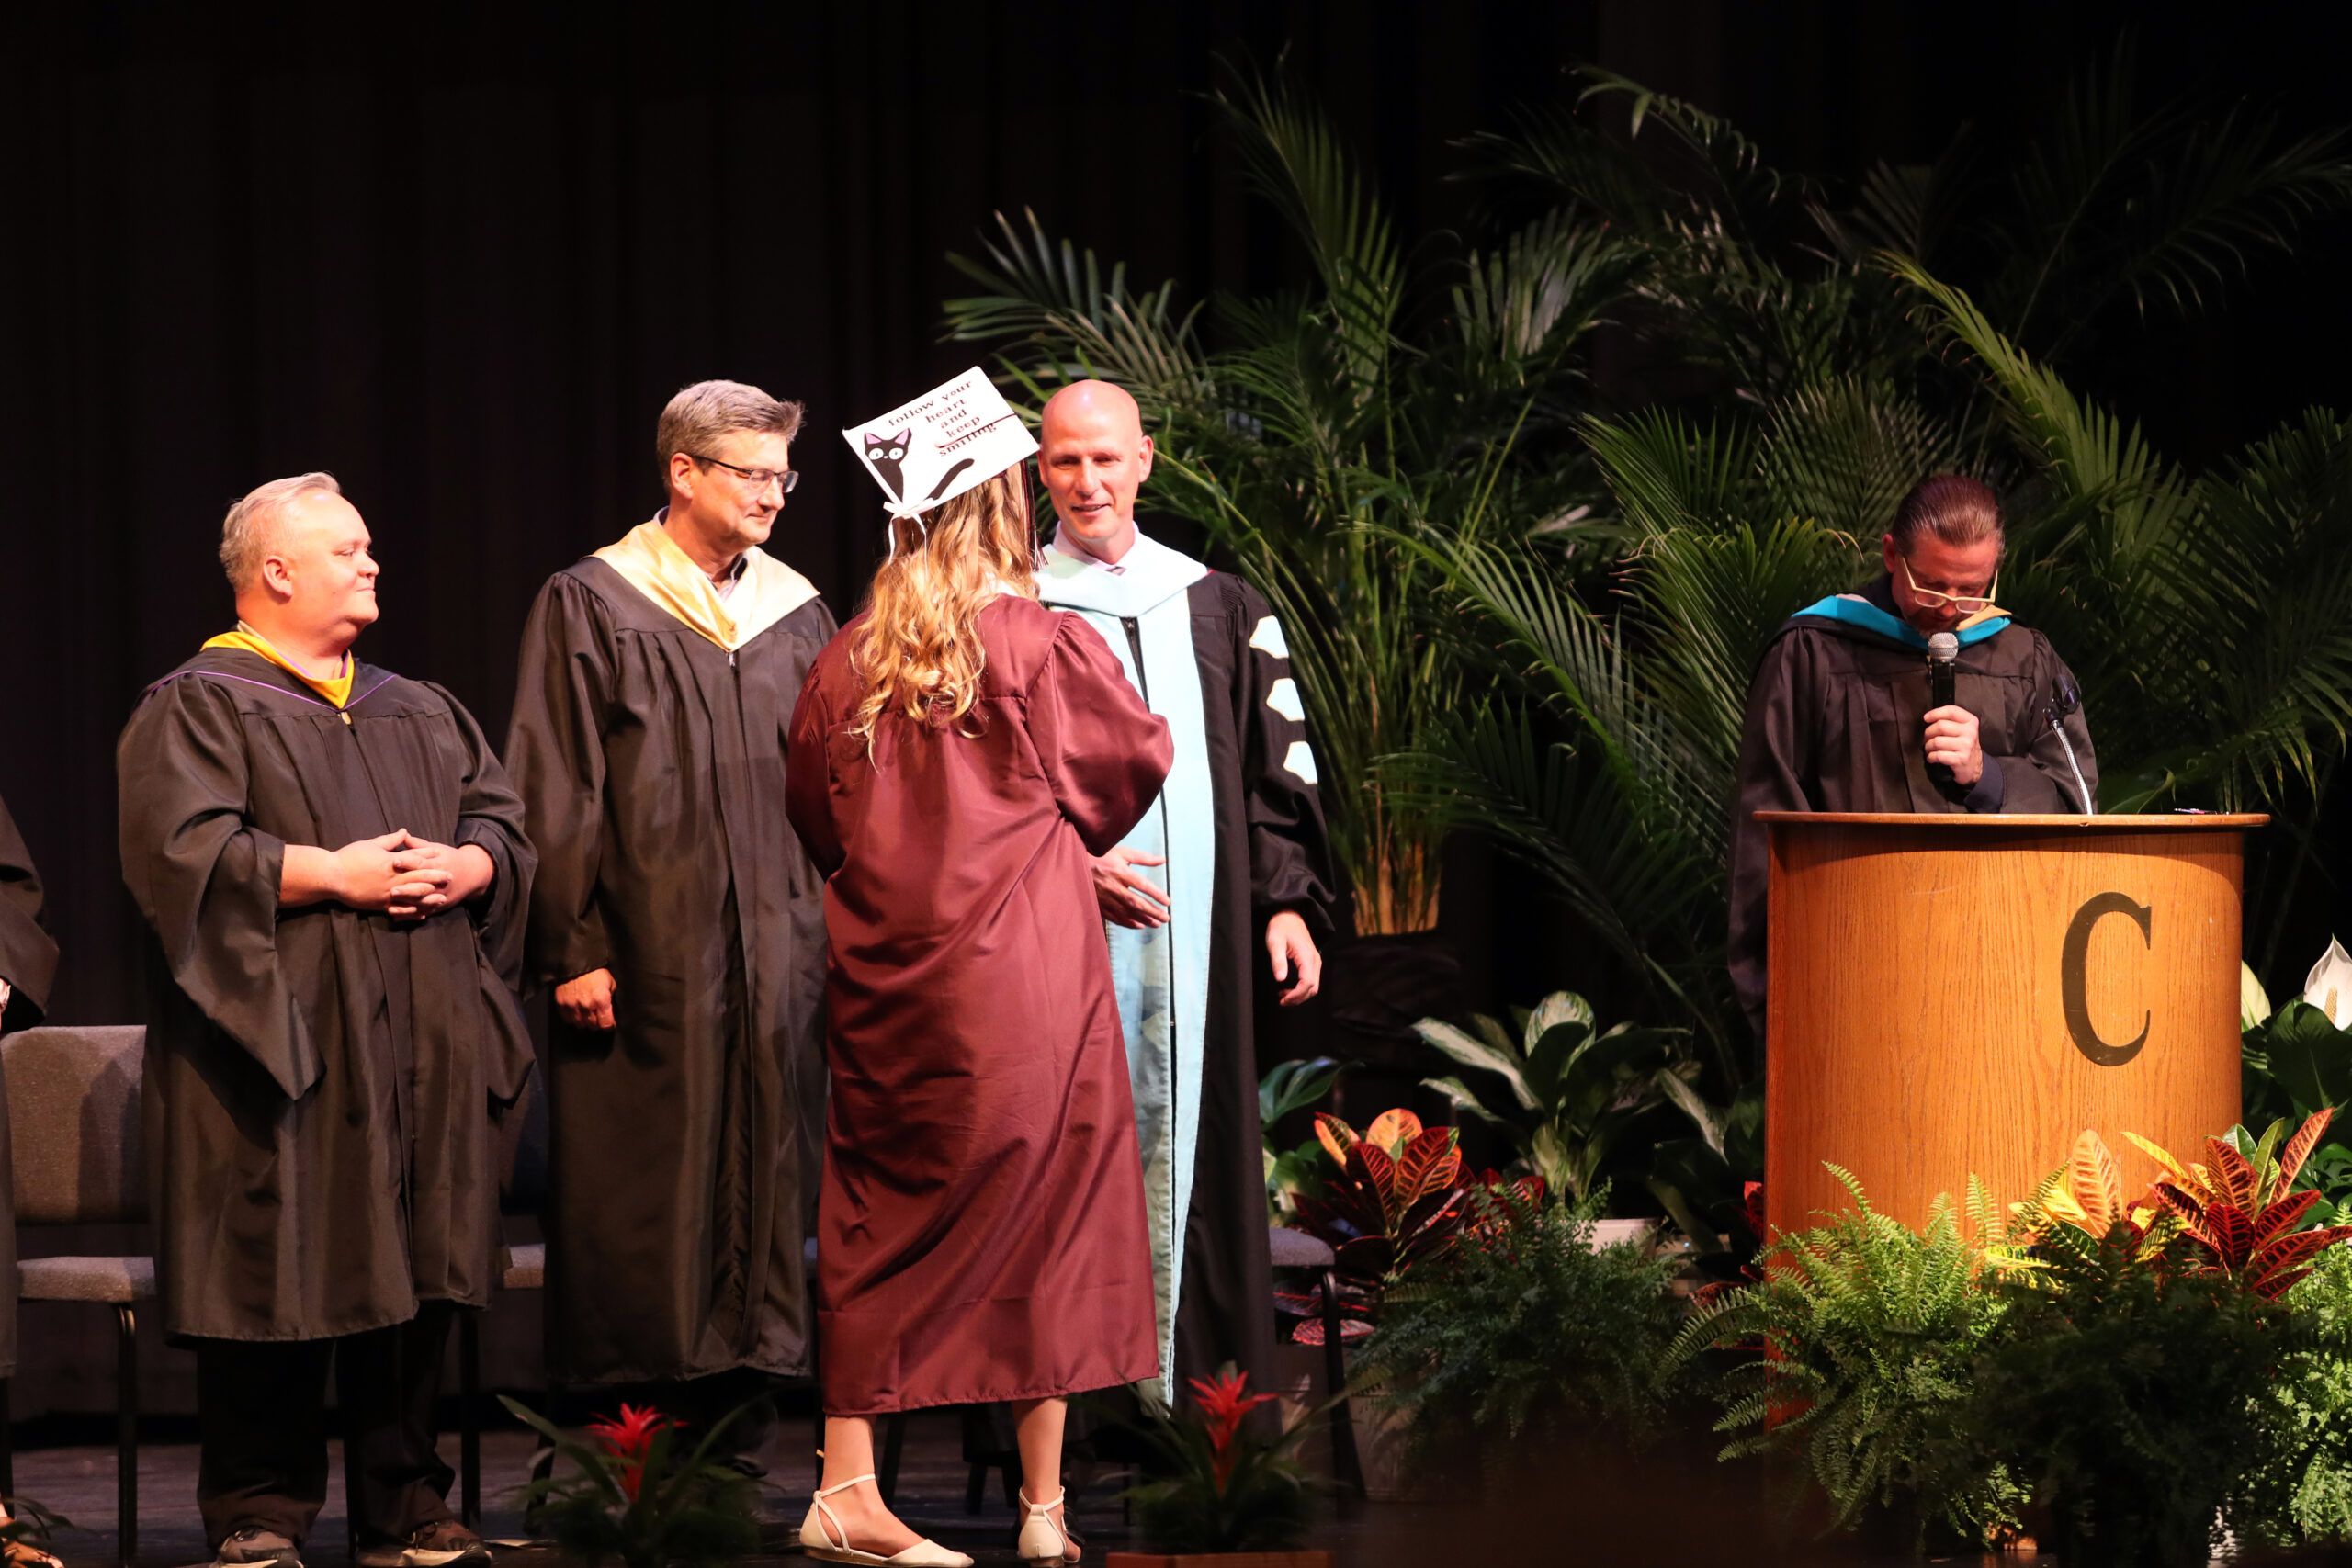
980, 1225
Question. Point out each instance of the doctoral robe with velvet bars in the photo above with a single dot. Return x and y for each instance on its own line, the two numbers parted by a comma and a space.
684, 1142
1833, 723
982, 1232
327, 1083
1242, 826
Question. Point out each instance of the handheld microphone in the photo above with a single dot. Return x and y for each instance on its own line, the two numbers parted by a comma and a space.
1943, 649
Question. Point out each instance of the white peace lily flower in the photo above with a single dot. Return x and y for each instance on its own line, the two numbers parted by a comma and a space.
2253, 1002
2329, 986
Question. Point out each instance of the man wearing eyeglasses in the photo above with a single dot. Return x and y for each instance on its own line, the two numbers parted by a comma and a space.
678, 923
1839, 717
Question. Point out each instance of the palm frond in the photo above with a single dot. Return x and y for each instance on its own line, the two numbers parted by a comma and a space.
1056, 300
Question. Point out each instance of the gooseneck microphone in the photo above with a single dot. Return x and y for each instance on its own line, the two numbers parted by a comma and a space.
1943, 651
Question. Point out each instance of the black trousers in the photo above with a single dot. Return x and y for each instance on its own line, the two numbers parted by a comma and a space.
702, 1402
261, 1417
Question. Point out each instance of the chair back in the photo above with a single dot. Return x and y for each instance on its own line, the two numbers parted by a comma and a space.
77, 1153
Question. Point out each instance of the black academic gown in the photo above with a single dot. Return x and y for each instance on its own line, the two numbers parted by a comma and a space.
28, 963
1834, 725
328, 1083
686, 1143
1271, 854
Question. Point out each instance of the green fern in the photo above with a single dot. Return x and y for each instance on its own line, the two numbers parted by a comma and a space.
1856, 1349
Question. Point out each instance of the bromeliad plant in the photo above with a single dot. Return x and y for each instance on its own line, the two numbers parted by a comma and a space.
1227, 1488
1393, 1199
630, 1495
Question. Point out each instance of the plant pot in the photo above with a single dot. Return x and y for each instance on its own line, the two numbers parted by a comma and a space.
1615, 1232
1298, 1381
1383, 1445
1315, 1559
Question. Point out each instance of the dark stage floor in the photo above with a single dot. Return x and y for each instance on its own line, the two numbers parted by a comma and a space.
1672, 1523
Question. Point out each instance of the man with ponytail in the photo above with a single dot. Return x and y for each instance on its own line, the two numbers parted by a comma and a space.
958, 758
1839, 717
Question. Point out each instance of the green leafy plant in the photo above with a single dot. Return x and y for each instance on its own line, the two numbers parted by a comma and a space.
1304, 431
2300, 1491
631, 1495
1857, 1348
1524, 1321
1564, 1092
1224, 1487
2298, 1061
1288, 1088
2129, 1397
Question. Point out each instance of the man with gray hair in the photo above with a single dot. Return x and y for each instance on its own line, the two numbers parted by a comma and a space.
333, 866
679, 924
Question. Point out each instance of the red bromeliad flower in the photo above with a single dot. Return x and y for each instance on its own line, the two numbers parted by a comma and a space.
629, 1440
1226, 1403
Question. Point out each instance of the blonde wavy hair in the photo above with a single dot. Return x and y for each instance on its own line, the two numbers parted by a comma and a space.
919, 651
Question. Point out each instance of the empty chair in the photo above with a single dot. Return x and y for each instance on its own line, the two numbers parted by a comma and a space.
77, 1157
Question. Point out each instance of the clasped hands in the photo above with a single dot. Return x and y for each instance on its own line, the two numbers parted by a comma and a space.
408, 877
1128, 899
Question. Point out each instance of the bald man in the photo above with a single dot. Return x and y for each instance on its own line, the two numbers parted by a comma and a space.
1228, 878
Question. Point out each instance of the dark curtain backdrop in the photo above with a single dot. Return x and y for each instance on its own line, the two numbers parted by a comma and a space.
460, 257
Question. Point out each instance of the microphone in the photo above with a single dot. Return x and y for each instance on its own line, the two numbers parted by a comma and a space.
1943, 649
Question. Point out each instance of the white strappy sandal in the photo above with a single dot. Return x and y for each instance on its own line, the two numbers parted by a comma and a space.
1043, 1541
819, 1529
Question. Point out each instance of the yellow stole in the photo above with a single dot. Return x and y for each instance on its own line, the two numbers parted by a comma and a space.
336, 689
653, 564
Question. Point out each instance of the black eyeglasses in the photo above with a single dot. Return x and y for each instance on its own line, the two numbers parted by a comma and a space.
760, 478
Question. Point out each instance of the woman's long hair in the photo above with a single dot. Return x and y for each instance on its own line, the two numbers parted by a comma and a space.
919, 651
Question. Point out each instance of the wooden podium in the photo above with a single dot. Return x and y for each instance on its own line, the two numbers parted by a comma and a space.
1960, 995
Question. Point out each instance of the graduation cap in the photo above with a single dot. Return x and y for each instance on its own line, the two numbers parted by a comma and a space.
950, 439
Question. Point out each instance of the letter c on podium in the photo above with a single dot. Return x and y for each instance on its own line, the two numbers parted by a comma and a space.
2074, 977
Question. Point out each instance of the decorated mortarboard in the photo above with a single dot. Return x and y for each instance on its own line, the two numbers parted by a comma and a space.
947, 441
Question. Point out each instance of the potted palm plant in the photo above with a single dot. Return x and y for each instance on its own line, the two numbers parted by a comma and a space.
1305, 435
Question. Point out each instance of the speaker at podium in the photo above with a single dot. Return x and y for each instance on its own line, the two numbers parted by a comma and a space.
1951, 995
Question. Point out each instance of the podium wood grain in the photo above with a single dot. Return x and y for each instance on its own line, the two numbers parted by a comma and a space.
1918, 1026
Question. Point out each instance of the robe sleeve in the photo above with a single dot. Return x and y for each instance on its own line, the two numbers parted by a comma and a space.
28, 952
1104, 755
555, 753
807, 776
1775, 742
1290, 855
205, 878
490, 815
2041, 779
